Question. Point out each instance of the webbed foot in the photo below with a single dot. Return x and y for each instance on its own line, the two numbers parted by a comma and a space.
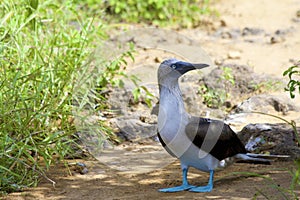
207, 188
177, 189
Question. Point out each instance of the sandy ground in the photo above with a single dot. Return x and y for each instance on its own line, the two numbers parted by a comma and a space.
102, 182
236, 182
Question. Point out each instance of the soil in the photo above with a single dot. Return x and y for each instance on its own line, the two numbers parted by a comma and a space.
262, 34
238, 182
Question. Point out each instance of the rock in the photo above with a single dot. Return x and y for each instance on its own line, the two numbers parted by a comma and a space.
84, 171
158, 60
119, 100
298, 13
79, 167
243, 85
276, 139
276, 39
225, 33
267, 103
223, 23
131, 129
219, 61
234, 55
252, 31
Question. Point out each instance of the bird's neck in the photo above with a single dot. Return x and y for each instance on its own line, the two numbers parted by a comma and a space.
170, 99
172, 115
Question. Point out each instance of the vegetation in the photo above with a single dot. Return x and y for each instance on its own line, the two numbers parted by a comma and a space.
186, 13
41, 49
293, 73
216, 98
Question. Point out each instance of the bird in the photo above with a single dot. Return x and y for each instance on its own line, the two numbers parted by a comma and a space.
202, 143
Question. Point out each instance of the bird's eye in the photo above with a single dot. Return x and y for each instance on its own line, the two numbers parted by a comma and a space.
173, 66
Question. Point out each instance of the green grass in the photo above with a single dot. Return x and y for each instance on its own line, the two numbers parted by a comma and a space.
183, 13
42, 44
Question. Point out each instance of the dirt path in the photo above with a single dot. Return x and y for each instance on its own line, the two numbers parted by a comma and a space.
104, 183
264, 55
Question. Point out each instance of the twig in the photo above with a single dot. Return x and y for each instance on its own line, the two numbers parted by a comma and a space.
38, 171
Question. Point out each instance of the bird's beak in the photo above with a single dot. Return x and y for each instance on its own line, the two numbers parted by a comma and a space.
184, 67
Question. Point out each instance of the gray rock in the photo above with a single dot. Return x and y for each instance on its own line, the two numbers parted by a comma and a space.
234, 55
252, 31
119, 100
276, 139
131, 129
267, 103
276, 39
224, 33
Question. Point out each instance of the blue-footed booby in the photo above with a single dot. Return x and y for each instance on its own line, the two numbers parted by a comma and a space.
197, 142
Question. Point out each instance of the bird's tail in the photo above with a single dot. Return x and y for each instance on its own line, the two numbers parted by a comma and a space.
258, 158
251, 158
266, 156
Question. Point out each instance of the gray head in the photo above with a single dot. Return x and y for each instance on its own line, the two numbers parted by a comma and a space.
170, 70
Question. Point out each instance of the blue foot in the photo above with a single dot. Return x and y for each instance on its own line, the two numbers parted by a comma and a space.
207, 188
177, 189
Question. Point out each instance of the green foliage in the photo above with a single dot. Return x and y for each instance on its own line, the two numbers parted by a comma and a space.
212, 98
42, 45
216, 98
227, 75
186, 13
269, 85
141, 92
293, 73
114, 70
294, 84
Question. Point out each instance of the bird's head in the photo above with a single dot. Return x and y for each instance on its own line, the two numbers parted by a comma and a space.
172, 69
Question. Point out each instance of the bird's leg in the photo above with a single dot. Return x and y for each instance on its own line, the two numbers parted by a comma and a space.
206, 188
185, 185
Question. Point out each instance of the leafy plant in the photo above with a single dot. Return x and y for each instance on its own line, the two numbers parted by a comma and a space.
114, 70
212, 98
268, 85
293, 72
216, 98
291, 87
40, 52
141, 91
186, 13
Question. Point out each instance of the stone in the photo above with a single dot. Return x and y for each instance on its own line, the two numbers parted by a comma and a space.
252, 31
274, 139
276, 39
243, 84
267, 103
234, 55
131, 129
